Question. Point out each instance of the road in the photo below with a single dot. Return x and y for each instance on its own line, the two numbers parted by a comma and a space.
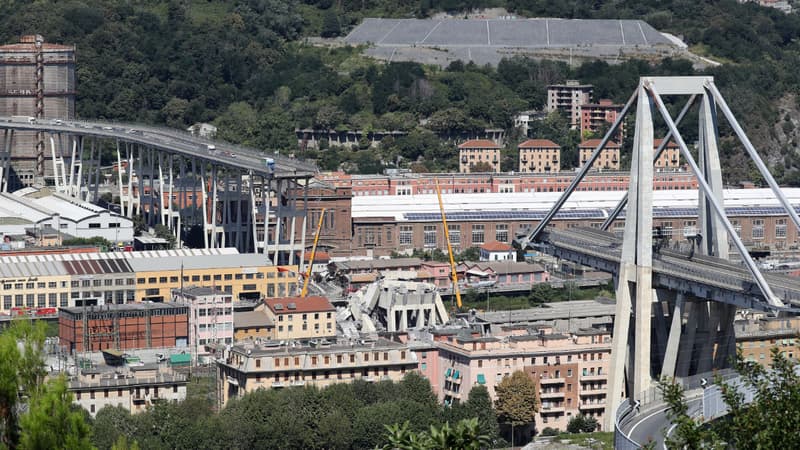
173, 141
653, 425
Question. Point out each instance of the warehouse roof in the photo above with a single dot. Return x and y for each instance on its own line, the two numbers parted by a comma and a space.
532, 205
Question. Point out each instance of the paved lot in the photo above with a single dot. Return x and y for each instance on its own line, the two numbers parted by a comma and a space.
486, 41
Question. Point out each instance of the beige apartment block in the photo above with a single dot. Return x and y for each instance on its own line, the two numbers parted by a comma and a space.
539, 156
477, 151
608, 159
246, 368
569, 369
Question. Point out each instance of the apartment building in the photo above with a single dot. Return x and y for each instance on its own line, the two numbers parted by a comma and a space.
539, 156
568, 98
301, 318
246, 368
609, 158
570, 369
671, 156
477, 151
595, 116
133, 388
210, 316
756, 338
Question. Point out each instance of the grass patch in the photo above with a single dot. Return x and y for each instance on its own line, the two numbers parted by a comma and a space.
704, 50
597, 440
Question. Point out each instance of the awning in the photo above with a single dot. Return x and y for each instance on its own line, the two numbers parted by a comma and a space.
481, 379
448, 372
183, 359
456, 375
477, 273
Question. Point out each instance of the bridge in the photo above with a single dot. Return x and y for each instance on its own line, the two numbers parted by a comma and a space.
238, 196
675, 310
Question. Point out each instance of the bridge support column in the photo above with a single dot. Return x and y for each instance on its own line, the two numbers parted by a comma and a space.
5, 160
634, 284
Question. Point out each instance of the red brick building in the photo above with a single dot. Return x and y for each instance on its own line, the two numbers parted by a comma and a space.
123, 327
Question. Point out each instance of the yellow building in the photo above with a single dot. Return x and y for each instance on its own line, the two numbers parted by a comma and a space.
301, 317
608, 159
31, 282
539, 156
246, 368
756, 339
252, 325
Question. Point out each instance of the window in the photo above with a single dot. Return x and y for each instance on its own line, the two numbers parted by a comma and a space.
406, 233
501, 232
758, 228
780, 228
455, 234
94, 225
477, 233
430, 236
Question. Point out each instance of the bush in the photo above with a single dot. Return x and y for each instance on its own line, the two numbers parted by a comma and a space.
548, 431
582, 424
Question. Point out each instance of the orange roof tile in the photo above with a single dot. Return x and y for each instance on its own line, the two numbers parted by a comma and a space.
547, 143
657, 142
495, 246
479, 143
302, 304
595, 142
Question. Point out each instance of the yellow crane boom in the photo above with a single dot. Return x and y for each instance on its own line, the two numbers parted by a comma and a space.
453, 273
313, 253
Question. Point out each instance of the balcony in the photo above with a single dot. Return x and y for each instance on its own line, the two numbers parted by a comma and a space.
592, 406
594, 377
546, 395
544, 381
552, 410
588, 392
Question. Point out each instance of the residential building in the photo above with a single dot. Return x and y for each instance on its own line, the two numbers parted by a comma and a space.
252, 325
309, 317
249, 367
502, 274
497, 251
539, 156
570, 369
671, 156
477, 151
756, 338
600, 115
133, 389
210, 316
522, 120
568, 99
608, 158
123, 327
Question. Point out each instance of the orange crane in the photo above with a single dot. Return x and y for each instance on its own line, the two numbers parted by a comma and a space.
313, 253
453, 273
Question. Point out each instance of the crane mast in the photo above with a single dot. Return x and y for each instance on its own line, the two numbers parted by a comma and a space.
453, 273
313, 253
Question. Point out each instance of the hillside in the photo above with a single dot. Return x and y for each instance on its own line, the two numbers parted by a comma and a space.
243, 66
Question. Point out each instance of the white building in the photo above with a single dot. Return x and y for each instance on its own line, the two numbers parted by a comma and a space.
210, 316
38, 208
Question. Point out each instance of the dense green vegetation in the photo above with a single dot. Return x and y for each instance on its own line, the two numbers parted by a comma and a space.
339, 416
242, 65
771, 421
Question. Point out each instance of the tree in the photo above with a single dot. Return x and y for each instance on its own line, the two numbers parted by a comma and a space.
466, 435
163, 232
481, 166
770, 421
479, 405
330, 24
21, 370
582, 424
516, 400
51, 421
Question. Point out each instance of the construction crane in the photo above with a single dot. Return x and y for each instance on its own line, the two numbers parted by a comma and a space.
313, 253
453, 272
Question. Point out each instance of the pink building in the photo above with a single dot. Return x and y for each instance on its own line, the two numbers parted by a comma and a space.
210, 316
595, 115
570, 370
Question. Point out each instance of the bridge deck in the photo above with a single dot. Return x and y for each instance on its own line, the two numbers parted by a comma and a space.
172, 141
602, 250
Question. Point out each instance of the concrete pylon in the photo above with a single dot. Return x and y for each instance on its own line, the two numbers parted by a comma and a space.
705, 341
